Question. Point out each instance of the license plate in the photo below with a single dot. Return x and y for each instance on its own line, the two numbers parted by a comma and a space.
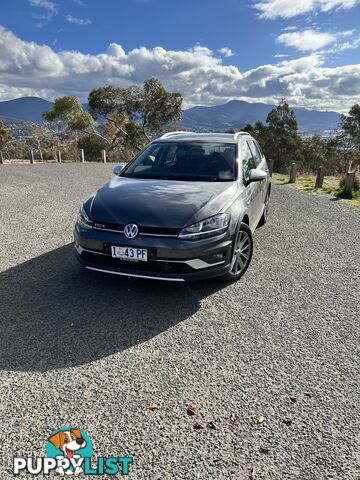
129, 253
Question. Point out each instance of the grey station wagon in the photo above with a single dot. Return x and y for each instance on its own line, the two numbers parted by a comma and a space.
185, 208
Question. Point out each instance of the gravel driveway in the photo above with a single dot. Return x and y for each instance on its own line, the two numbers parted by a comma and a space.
93, 351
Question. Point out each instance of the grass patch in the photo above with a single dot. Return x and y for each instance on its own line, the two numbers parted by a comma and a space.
306, 183
279, 179
354, 202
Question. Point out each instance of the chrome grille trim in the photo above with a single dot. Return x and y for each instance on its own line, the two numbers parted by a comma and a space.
135, 275
164, 235
195, 263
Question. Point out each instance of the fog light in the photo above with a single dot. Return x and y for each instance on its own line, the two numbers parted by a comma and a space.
214, 258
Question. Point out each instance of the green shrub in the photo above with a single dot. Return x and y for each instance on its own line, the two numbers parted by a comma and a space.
92, 146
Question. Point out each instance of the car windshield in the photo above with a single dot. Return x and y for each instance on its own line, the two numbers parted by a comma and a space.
193, 161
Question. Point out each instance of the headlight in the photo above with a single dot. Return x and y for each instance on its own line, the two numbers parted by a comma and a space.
83, 219
207, 228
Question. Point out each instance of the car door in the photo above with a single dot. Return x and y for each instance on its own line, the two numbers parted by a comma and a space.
261, 164
250, 189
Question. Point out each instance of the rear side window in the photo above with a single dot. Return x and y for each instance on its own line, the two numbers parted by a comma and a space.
247, 159
255, 150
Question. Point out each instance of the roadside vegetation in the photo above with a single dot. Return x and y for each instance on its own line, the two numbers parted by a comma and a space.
129, 117
5, 137
281, 141
122, 121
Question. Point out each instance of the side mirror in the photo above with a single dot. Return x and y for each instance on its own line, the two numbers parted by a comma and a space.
117, 169
257, 175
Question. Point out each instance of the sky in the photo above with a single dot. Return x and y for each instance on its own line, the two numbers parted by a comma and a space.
307, 51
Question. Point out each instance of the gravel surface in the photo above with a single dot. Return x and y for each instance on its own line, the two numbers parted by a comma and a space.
93, 351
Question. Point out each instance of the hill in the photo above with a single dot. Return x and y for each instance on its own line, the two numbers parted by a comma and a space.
238, 113
235, 114
26, 108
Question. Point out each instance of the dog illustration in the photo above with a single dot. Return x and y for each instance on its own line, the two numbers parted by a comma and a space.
68, 441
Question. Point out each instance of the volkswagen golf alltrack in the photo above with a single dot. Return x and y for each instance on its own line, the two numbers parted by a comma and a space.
185, 208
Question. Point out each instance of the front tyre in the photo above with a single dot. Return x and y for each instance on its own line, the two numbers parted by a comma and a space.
241, 254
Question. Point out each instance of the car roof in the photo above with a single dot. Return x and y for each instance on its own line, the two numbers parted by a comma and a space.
205, 137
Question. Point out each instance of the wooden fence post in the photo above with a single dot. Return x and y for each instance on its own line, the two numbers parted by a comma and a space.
319, 177
1, 158
270, 163
59, 156
31, 156
292, 178
349, 182
104, 156
82, 155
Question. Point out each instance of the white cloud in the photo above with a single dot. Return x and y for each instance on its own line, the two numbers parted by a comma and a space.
313, 40
272, 9
78, 21
347, 33
340, 46
227, 52
50, 10
307, 40
49, 6
27, 68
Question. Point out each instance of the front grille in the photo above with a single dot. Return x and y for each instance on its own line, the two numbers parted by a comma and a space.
125, 266
142, 229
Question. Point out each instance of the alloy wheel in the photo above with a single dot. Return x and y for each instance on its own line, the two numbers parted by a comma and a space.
242, 252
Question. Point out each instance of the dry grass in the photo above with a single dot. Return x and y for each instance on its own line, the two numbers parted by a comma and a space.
306, 183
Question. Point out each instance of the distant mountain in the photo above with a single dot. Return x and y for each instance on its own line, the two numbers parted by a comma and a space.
26, 108
234, 114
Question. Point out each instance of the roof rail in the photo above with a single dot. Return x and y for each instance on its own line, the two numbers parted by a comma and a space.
170, 134
240, 134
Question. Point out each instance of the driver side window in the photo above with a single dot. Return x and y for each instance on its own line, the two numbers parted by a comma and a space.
247, 160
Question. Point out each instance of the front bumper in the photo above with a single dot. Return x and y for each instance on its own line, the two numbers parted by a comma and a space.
170, 259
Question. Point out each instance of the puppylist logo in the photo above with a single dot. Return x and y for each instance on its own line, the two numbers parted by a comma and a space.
69, 452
